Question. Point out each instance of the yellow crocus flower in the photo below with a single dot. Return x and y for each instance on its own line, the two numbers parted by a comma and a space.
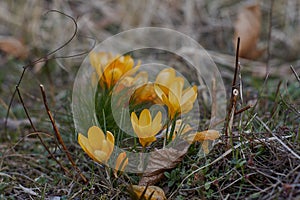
166, 78
145, 128
110, 69
177, 100
98, 146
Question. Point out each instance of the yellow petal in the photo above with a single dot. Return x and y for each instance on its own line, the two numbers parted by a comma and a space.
95, 137
190, 94
165, 78
145, 93
134, 118
111, 76
141, 131
110, 69
110, 137
100, 156
176, 89
145, 118
85, 145
164, 75
121, 162
175, 93
111, 142
158, 91
128, 62
174, 102
99, 60
156, 124
135, 122
147, 141
171, 109
145, 131
106, 149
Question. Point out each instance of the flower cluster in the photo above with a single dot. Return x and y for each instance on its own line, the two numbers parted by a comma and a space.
169, 90
111, 68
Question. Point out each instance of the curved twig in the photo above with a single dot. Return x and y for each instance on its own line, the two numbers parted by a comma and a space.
41, 59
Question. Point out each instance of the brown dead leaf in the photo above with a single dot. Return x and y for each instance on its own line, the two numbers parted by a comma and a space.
13, 46
156, 193
247, 27
162, 160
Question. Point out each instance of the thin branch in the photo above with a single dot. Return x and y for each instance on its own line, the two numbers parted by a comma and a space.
58, 136
243, 109
295, 73
234, 95
236, 63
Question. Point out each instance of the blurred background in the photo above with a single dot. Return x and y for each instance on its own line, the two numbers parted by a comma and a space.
29, 31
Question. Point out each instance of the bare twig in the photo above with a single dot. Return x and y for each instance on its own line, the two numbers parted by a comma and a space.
35, 130
45, 58
234, 95
236, 64
243, 109
295, 73
58, 136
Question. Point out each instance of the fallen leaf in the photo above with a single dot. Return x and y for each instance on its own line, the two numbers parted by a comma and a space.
13, 46
247, 27
204, 135
162, 160
156, 193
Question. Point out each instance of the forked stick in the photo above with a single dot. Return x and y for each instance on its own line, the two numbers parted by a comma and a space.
58, 136
36, 131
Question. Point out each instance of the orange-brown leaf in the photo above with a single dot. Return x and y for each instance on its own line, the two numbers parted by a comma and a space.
14, 47
247, 27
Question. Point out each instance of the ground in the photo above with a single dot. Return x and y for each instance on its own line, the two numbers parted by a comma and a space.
258, 159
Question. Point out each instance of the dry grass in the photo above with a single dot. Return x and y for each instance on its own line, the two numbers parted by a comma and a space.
264, 162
